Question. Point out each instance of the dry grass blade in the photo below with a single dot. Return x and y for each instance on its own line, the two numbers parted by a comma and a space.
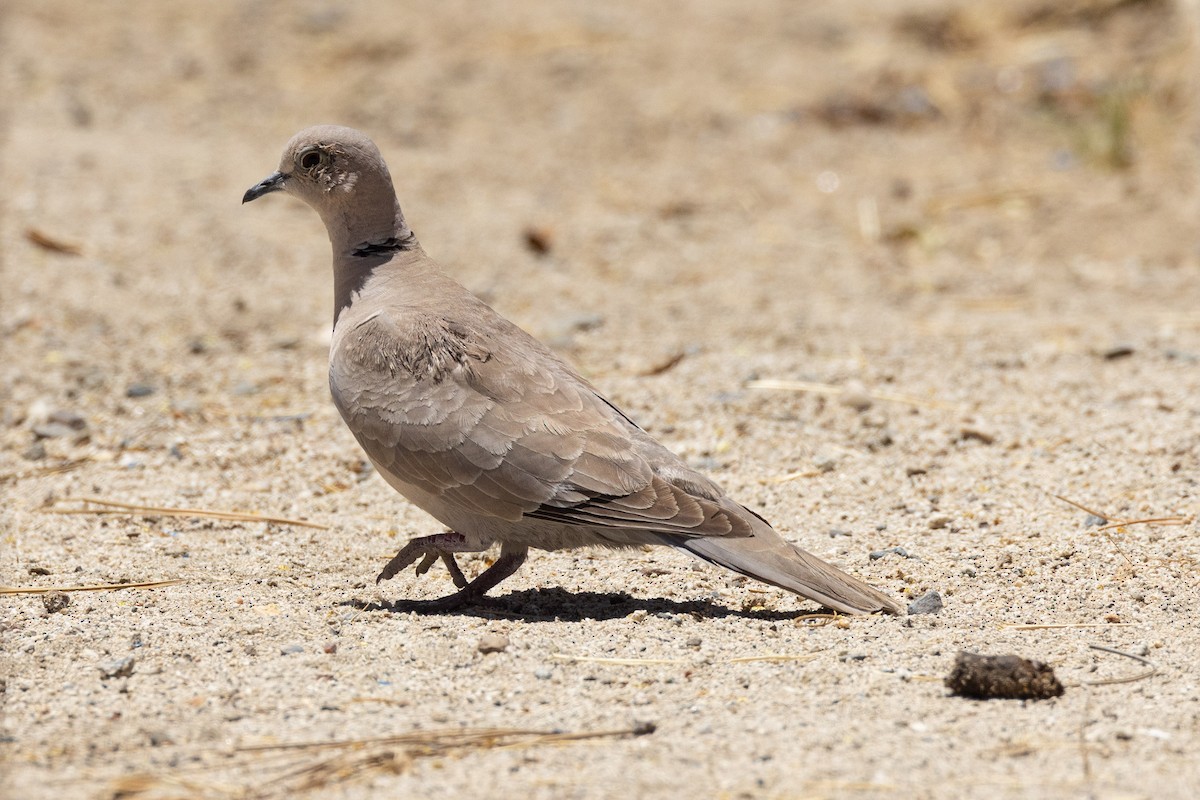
829, 389
1053, 626
309, 767
1153, 670
1116, 522
52, 243
664, 366
144, 783
343, 766
976, 199
794, 476
637, 662
1103, 530
1147, 521
1082, 507
100, 587
617, 662
395, 753
40, 472
453, 737
1113, 522
775, 658
114, 507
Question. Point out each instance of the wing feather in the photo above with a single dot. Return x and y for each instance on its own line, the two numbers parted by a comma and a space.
510, 430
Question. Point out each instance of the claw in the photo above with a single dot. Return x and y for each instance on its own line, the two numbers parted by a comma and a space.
444, 545
427, 562
456, 575
429, 549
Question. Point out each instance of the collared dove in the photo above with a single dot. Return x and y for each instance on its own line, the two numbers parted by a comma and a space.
488, 430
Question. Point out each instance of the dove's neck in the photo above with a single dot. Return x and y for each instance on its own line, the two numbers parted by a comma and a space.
362, 244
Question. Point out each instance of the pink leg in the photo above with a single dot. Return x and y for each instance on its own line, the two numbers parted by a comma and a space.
510, 560
443, 545
430, 549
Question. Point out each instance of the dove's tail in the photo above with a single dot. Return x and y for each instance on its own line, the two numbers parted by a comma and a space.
767, 557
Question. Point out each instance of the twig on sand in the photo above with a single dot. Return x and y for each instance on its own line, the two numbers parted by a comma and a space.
774, 658
617, 662
456, 737
1115, 522
1082, 507
637, 662
304, 771
829, 389
114, 507
53, 469
1148, 521
1053, 626
100, 587
1153, 670
1103, 531
794, 476
393, 754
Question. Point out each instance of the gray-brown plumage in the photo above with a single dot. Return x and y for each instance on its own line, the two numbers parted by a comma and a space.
487, 429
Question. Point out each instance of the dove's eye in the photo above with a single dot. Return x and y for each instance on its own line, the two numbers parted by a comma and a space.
310, 159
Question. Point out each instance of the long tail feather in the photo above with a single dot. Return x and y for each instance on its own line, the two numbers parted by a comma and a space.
767, 557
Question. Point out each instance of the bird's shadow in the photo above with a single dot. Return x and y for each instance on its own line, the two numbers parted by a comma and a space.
558, 605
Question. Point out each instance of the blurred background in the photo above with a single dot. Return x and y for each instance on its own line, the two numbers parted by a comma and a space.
938, 145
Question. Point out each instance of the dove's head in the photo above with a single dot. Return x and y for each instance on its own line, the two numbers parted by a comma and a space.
340, 173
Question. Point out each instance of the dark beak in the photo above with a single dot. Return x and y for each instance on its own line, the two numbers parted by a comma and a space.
271, 183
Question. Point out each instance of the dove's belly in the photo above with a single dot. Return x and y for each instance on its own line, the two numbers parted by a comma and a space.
485, 530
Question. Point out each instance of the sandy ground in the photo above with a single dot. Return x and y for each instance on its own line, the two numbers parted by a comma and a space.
981, 227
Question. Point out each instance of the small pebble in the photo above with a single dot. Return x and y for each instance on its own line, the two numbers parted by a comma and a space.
493, 643
158, 738
694, 641
855, 396
54, 430
538, 239
35, 452
644, 727
329, 648
543, 673
118, 668
978, 433
928, 603
186, 406
938, 521
1092, 521
55, 601
291, 648
825, 462
139, 390
875, 555
72, 419
1118, 351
